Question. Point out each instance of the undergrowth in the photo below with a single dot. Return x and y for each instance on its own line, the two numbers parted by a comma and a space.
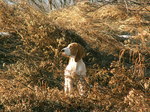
31, 65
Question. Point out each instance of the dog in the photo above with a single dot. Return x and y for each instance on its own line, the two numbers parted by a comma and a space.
75, 70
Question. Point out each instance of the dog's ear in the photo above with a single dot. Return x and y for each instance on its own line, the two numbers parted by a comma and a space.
80, 53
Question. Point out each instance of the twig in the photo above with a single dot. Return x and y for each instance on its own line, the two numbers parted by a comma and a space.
141, 4
25, 85
126, 5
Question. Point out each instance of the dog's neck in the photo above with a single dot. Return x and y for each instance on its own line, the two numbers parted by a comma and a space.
75, 67
72, 60
72, 65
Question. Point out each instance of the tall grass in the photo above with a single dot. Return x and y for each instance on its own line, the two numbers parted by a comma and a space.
31, 65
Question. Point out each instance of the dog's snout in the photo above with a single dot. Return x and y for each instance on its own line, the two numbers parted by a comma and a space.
62, 50
65, 51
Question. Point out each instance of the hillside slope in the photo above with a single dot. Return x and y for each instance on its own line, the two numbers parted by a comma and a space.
117, 58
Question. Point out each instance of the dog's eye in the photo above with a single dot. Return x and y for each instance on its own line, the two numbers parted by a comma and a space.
71, 47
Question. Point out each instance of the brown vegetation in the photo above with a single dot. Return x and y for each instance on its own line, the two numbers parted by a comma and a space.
31, 67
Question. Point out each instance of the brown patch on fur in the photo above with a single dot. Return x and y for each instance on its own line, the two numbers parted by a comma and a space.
77, 50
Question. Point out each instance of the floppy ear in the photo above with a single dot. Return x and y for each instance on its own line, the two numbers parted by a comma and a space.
80, 53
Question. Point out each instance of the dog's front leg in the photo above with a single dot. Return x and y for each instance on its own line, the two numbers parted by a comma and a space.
68, 85
81, 86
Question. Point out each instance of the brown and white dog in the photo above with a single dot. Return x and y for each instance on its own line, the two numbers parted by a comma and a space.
76, 69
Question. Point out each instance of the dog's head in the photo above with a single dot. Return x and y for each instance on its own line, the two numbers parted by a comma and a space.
74, 49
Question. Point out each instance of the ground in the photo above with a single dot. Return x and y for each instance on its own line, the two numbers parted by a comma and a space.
118, 67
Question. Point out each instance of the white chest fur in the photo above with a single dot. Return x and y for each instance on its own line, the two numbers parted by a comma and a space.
75, 67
